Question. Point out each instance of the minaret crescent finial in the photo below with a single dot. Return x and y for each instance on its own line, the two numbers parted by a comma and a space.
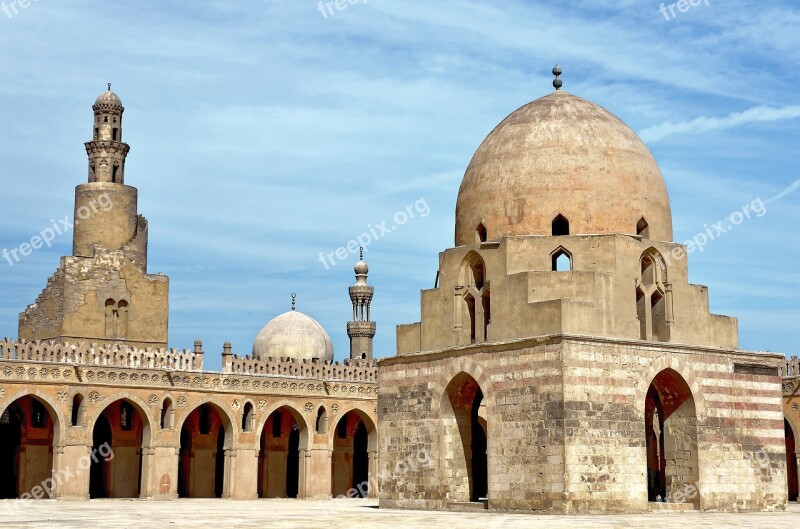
109, 87
361, 253
294, 300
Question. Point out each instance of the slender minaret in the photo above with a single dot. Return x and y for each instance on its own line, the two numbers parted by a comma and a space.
102, 293
105, 208
361, 330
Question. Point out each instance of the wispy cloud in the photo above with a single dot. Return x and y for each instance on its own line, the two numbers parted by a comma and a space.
263, 133
759, 114
791, 188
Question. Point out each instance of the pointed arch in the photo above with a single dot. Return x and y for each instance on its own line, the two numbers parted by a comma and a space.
121, 434
248, 417
321, 422
654, 308
643, 228
284, 437
473, 271
791, 439
29, 433
560, 226
472, 298
463, 440
208, 434
353, 453
561, 260
480, 233
671, 440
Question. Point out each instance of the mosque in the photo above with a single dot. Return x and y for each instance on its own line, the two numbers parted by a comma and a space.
562, 363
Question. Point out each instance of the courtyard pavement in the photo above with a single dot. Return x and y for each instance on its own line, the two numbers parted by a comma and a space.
360, 514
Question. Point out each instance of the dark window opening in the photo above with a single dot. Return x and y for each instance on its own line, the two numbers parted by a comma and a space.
643, 229
247, 417
560, 226
322, 421
166, 414
341, 429
471, 309
481, 232
77, 401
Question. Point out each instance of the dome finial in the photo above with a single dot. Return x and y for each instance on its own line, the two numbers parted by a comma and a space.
361, 253
109, 87
557, 83
294, 300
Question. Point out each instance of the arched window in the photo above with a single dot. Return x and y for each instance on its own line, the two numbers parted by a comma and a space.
643, 229
470, 301
560, 226
248, 418
111, 308
77, 410
653, 298
116, 318
322, 420
341, 430
167, 414
472, 318
481, 232
122, 319
561, 260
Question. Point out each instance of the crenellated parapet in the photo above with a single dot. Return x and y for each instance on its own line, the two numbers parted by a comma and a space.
347, 371
185, 360
791, 368
101, 355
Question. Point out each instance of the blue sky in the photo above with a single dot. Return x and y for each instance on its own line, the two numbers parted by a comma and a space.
264, 133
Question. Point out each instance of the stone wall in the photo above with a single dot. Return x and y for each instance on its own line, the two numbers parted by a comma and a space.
165, 387
566, 425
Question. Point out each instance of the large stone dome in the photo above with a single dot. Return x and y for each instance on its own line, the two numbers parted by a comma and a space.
293, 335
561, 155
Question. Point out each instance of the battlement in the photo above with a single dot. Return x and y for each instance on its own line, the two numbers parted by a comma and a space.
349, 370
791, 368
183, 360
102, 355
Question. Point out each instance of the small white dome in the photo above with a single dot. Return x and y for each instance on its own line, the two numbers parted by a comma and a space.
293, 335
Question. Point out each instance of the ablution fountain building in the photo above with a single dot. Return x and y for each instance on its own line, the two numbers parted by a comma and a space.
563, 363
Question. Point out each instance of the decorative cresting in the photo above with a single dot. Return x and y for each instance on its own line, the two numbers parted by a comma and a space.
472, 314
102, 355
654, 297
361, 329
328, 370
791, 368
37, 362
